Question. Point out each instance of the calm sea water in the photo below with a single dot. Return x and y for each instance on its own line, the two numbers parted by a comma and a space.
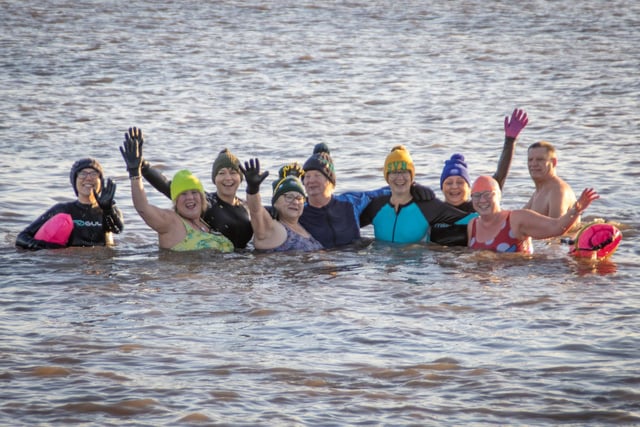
377, 335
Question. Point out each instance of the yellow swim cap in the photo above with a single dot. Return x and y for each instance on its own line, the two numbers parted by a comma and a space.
184, 181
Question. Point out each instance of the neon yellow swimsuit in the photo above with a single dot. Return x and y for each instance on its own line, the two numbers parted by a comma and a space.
196, 240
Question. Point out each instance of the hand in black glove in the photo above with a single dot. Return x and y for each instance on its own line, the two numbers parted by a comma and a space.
420, 193
132, 151
251, 172
105, 198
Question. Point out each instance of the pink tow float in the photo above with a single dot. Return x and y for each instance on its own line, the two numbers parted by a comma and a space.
57, 229
596, 240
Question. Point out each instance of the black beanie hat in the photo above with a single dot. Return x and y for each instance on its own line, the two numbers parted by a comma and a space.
321, 161
285, 185
88, 162
225, 159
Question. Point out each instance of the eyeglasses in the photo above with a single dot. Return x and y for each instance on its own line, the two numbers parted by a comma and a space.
290, 197
92, 174
486, 195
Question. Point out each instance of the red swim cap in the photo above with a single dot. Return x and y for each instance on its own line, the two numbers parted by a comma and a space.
484, 183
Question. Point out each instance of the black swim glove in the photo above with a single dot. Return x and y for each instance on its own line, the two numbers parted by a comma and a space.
105, 198
131, 151
112, 221
420, 193
251, 172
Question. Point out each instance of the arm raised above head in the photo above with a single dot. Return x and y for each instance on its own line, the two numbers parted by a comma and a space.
160, 220
267, 232
512, 128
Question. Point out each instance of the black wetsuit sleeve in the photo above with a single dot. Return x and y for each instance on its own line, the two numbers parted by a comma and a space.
26, 239
437, 211
442, 218
156, 179
504, 164
366, 216
370, 212
112, 220
449, 235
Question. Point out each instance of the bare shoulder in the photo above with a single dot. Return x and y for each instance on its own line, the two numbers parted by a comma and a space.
560, 197
562, 192
561, 184
171, 222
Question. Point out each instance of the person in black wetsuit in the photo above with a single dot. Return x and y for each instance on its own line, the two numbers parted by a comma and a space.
226, 213
94, 213
455, 181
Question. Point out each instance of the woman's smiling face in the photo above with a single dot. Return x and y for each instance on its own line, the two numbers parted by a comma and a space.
456, 190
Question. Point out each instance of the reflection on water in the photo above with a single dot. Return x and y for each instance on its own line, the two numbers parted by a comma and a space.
373, 334
603, 267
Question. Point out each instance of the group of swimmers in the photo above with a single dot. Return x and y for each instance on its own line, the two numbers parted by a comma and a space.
306, 214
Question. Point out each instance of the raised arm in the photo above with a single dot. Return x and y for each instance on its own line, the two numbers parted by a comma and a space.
111, 216
512, 128
530, 223
265, 228
160, 220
